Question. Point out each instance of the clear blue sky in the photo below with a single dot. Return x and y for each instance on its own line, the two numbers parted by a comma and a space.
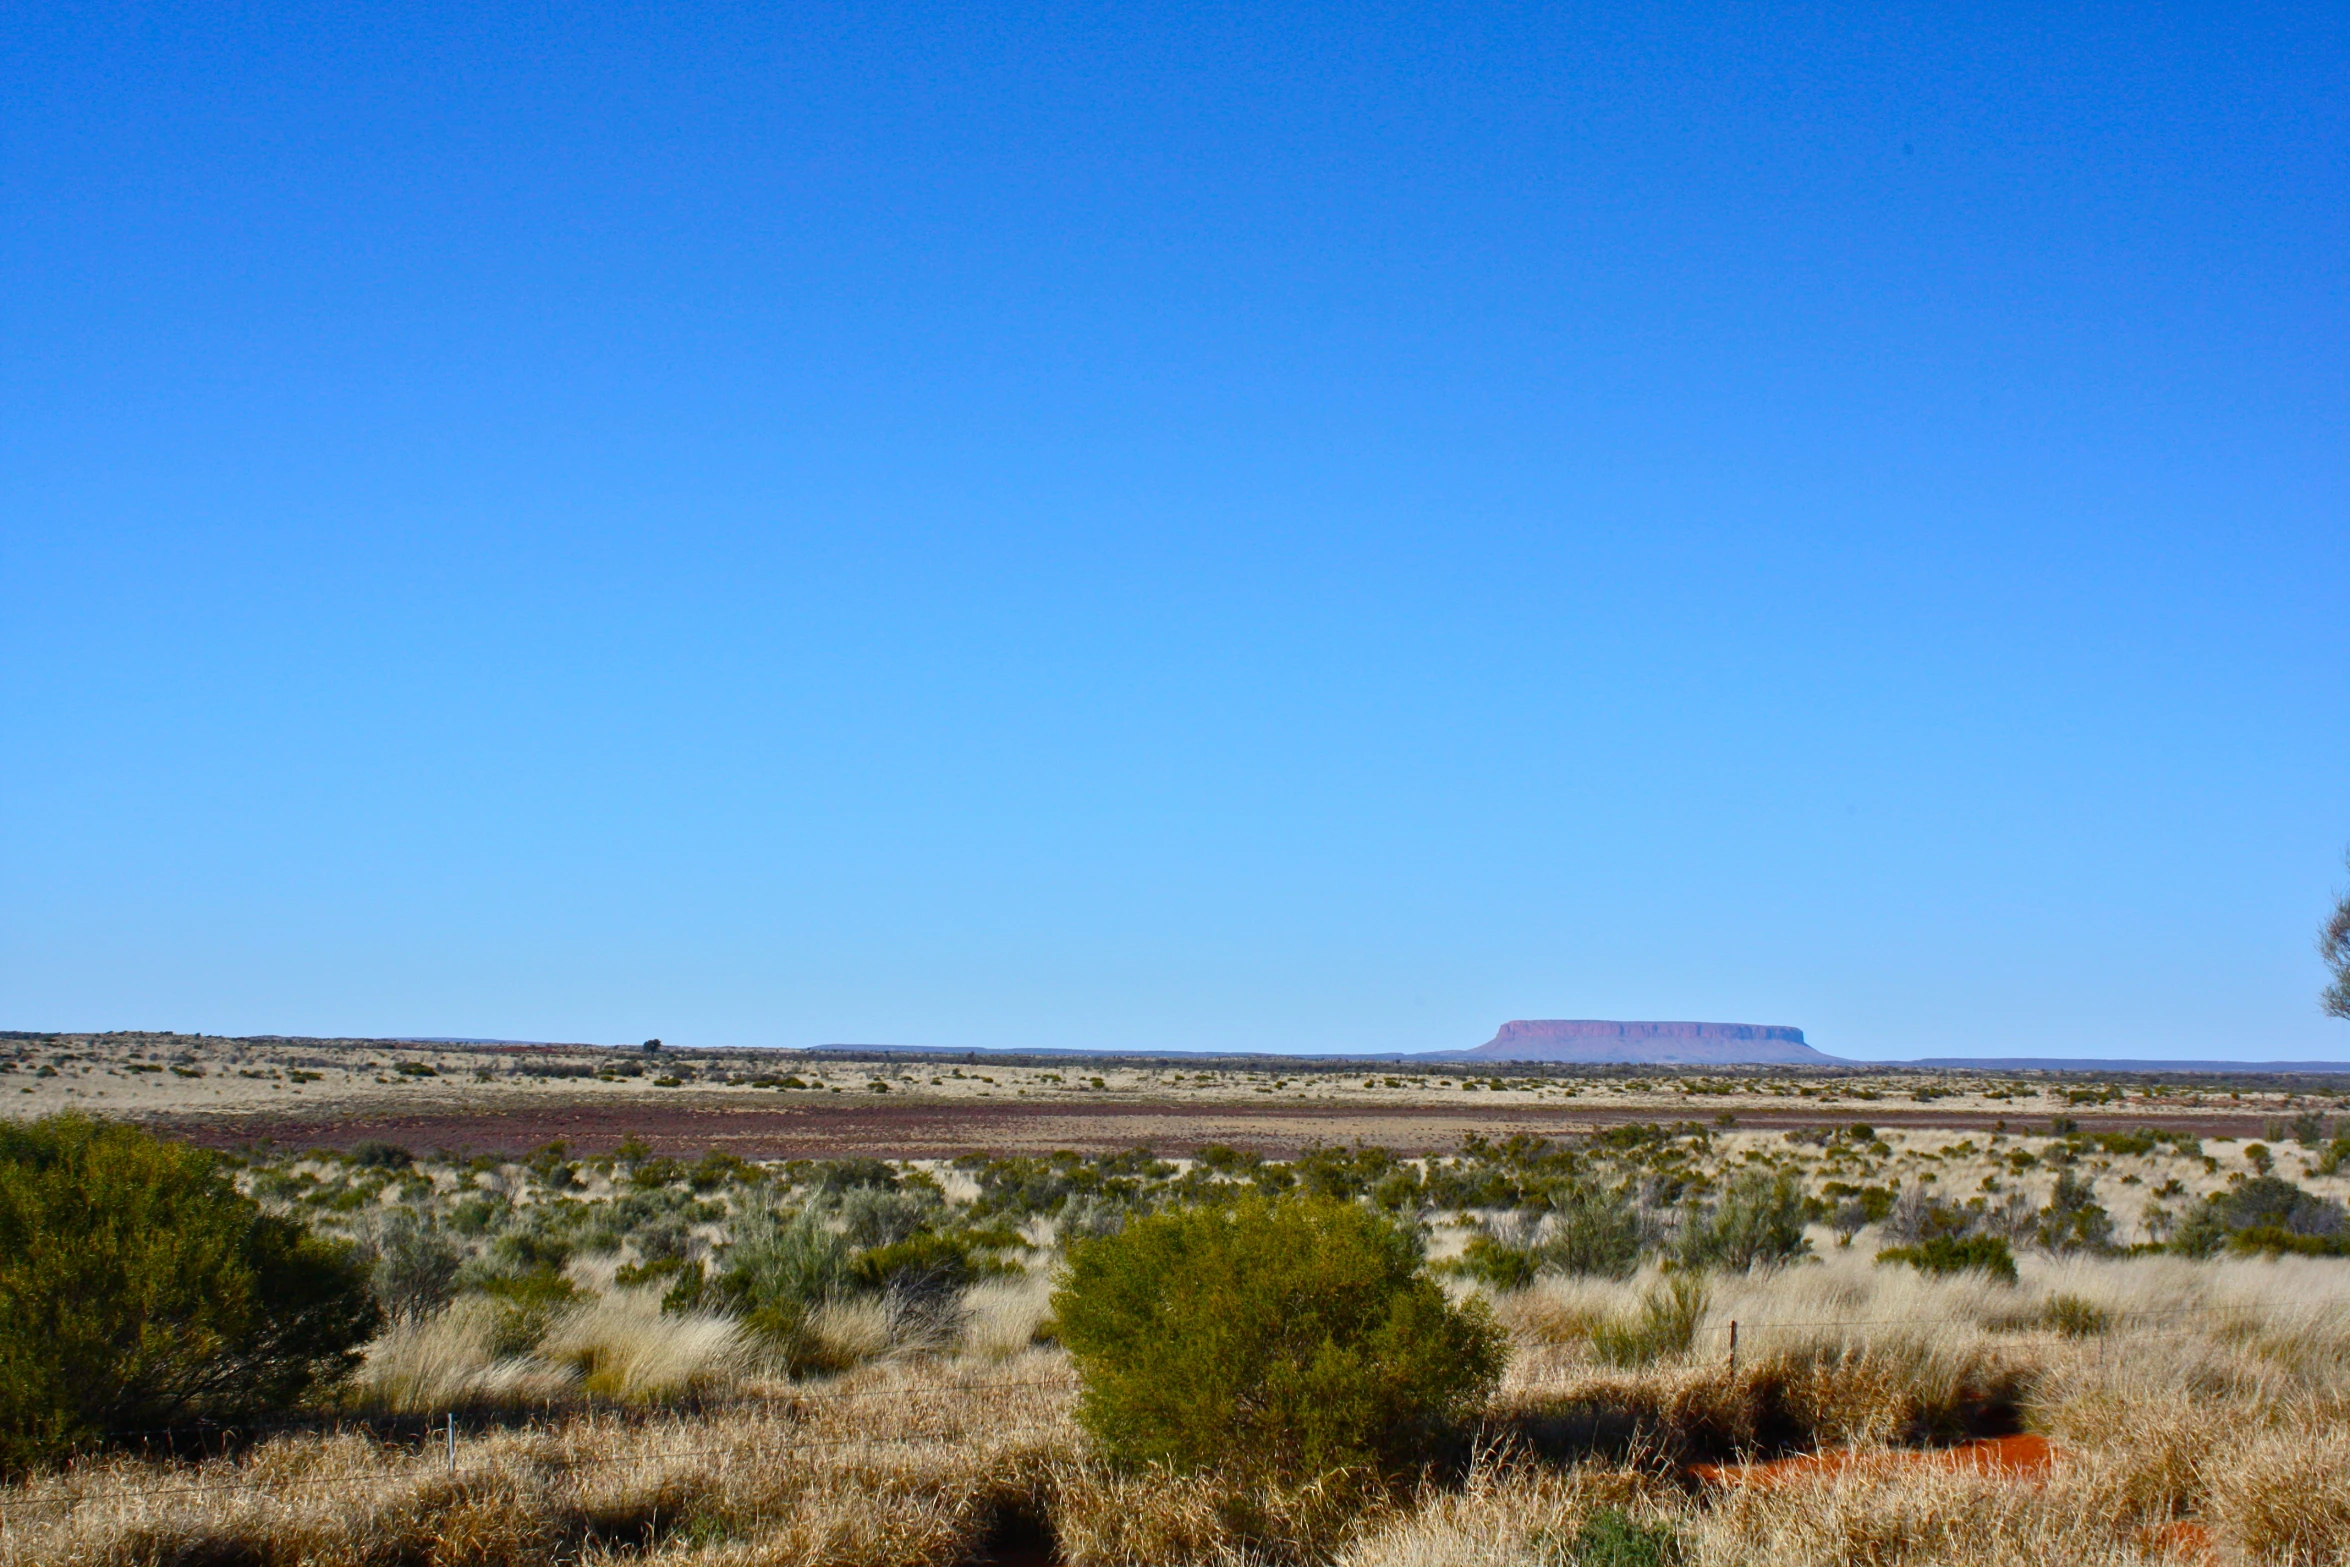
1242, 527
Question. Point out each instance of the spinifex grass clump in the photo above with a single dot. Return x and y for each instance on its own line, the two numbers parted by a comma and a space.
1279, 1340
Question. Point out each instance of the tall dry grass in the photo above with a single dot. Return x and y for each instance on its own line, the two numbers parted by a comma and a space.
2213, 1404
450, 1360
906, 1467
624, 1347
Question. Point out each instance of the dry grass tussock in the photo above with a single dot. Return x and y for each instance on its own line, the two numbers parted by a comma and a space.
1510, 1511
2215, 1392
619, 1347
451, 1360
1844, 1351
1005, 1317
905, 1467
626, 1348
1925, 1518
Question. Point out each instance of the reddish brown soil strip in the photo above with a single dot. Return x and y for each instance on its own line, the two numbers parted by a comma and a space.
2184, 1537
2024, 1456
764, 1126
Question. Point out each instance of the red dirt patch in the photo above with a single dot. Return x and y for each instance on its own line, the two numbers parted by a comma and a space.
2024, 1456
2185, 1537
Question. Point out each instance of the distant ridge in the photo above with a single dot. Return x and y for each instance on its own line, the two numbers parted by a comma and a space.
1593, 1041
2100, 1064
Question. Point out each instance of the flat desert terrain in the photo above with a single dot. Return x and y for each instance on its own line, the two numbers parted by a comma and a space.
310, 1093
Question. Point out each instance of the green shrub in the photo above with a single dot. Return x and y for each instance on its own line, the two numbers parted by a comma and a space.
528, 1305
924, 1264
777, 1273
684, 1281
870, 1216
2074, 1317
2264, 1215
2073, 1220
1950, 1254
1270, 1339
1494, 1262
1758, 1220
139, 1288
551, 1163
1593, 1232
2269, 1240
1610, 1538
1666, 1324
413, 1270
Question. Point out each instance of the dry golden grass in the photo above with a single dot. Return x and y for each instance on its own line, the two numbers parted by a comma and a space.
2220, 1395
906, 1467
626, 1348
1003, 1317
450, 1361
1921, 1518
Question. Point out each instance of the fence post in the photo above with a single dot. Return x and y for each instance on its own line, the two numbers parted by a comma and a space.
452, 1441
1733, 1347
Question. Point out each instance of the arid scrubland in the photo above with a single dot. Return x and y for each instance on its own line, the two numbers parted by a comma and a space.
2229, 1415
851, 1362
224, 1092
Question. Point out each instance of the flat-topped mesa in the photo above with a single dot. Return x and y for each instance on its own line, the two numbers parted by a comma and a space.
1594, 1041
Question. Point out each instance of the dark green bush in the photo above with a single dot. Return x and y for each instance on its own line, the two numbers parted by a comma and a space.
870, 1216
841, 1175
2270, 1240
528, 1302
1611, 1538
1951, 1254
923, 1264
1269, 1339
2074, 1317
1494, 1262
139, 1288
551, 1163
684, 1281
2264, 1214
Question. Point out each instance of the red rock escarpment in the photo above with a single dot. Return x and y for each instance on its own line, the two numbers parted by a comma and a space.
1591, 1040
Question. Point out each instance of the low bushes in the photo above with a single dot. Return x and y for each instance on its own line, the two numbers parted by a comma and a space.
778, 1274
2265, 1215
1611, 1537
1665, 1324
1759, 1220
1985, 1254
139, 1289
1284, 1340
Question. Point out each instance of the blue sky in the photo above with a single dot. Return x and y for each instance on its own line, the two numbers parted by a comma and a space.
1230, 527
